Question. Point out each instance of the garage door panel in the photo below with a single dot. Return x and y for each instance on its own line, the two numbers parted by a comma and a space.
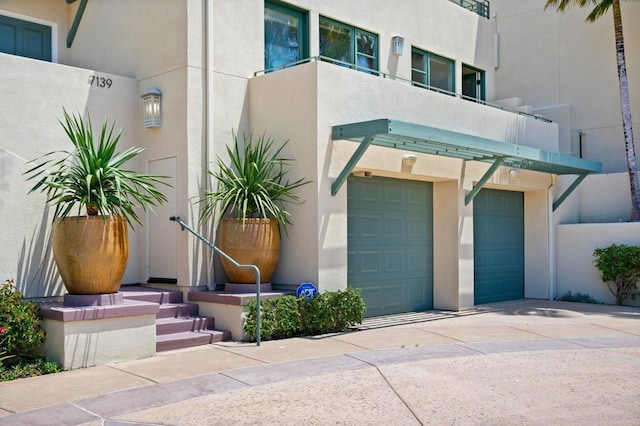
498, 245
393, 219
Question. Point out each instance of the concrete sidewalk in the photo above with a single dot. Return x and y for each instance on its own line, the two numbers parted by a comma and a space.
525, 362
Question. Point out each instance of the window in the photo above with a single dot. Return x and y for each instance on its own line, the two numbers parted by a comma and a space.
349, 46
285, 36
473, 83
24, 38
432, 71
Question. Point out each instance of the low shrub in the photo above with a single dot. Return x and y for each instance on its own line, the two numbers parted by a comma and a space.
28, 368
289, 316
620, 268
20, 332
577, 297
21, 337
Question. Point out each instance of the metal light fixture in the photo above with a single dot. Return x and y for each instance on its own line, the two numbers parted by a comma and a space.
514, 174
152, 108
409, 159
397, 45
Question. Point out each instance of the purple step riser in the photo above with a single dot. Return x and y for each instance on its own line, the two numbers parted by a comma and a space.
185, 324
181, 341
154, 296
177, 310
168, 345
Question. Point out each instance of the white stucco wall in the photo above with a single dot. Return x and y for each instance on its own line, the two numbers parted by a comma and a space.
574, 257
316, 96
552, 59
600, 198
35, 93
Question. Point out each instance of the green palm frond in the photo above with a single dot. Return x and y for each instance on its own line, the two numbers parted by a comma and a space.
92, 174
600, 7
254, 184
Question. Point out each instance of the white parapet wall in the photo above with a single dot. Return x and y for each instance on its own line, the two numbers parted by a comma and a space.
575, 270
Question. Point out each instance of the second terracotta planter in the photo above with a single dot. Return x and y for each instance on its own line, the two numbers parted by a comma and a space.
255, 243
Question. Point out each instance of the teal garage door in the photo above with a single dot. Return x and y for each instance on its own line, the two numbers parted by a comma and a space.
498, 234
24, 38
390, 244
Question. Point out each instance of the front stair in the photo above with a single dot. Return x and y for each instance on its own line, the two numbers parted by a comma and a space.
178, 324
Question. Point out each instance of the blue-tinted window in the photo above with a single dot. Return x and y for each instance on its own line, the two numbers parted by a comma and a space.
348, 45
285, 36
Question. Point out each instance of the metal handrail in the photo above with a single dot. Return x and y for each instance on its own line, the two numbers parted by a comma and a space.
480, 7
184, 226
401, 80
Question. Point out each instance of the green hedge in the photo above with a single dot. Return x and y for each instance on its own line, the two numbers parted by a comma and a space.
289, 316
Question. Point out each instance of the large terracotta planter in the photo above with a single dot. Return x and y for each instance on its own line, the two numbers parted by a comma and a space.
91, 253
255, 243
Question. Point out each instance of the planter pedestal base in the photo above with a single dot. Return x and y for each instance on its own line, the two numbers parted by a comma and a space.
234, 288
99, 333
93, 299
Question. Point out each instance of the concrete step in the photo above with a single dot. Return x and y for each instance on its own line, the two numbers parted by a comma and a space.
147, 294
177, 310
180, 325
167, 342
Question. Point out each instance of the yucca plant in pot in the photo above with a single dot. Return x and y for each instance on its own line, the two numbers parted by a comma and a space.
253, 187
91, 251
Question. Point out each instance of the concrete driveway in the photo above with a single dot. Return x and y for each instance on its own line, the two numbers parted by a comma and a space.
524, 362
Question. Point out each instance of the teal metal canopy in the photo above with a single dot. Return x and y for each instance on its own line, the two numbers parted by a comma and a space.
435, 141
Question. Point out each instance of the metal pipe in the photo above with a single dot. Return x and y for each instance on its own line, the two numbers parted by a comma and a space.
184, 226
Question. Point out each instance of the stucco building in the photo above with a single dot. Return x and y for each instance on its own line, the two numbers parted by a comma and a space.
440, 136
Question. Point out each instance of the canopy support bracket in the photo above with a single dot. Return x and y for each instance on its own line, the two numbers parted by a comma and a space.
348, 168
472, 194
76, 21
568, 191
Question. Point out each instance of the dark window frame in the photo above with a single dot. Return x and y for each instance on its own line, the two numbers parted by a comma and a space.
426, 71
355, 53
303, 30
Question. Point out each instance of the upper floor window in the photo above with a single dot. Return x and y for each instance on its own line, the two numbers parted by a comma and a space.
432, 71
285, 35
473, 83
349, 45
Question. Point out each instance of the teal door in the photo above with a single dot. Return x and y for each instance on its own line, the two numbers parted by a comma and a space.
498, 235
390, 244
24, 38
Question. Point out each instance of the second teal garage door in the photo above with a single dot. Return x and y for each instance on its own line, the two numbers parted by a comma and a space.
390, 244
498, 234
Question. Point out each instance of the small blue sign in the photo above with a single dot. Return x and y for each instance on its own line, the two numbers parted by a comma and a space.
306, 290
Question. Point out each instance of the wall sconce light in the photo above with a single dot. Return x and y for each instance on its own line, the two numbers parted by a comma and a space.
397, 45
152, 108
514, 174
409, 159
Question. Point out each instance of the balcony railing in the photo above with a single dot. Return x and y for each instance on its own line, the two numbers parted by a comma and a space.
481, 7
402, 80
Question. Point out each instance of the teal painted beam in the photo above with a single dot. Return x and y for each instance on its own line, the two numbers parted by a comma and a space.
427, 139
348, 168
568, 191
472, 194
76, 21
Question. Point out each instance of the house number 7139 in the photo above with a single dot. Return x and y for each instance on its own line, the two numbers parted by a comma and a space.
100, 81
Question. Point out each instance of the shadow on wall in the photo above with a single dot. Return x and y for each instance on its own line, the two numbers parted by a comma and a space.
37, 272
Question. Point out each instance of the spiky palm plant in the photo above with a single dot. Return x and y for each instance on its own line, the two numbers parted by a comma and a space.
253, 185
92, 174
